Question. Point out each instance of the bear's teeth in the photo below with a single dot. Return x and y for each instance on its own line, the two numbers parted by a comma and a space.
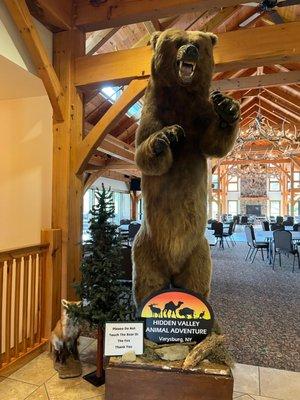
186, 69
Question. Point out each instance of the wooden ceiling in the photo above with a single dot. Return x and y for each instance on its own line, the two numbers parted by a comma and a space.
271, 91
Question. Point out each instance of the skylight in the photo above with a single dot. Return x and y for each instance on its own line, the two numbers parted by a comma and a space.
112, 93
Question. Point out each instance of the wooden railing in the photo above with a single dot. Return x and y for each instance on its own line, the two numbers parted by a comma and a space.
29, 297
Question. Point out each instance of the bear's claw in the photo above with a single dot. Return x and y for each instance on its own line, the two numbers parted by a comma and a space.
227, 108
169, 136
174, 133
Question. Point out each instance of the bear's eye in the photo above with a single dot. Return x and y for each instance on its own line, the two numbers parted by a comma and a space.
196, 45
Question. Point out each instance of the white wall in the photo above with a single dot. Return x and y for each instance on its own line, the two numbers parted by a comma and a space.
26, 139
25, 170
118, 186
12, 45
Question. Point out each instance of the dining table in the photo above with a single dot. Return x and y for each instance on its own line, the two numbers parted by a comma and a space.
268, 236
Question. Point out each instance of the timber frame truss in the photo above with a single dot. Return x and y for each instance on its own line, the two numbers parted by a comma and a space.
257, 66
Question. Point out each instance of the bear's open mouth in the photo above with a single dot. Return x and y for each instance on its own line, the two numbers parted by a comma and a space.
186, 70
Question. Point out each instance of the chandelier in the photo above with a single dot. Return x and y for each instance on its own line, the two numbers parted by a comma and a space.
254, 170
284, 139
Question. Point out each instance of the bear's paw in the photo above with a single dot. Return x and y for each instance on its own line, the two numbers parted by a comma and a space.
227, 108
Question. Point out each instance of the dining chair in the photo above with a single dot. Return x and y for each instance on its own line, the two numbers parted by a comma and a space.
219, 234
133, 230
279, 219
265, 225
229, 233
254, 246
296, 227
283, 244
277, 227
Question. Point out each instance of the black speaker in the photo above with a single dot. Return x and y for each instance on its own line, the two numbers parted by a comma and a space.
135, 184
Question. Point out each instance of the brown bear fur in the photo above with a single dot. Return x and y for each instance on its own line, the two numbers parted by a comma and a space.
170, 247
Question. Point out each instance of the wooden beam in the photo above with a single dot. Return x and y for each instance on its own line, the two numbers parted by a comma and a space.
288, 108
116, 148
115, 13
219, 19
55, 14
286, 97
67, 187
152, 26
257, 81
246, 162
235, 50
121, 165
131, 95
115, 151
119, 143
23, 20
98, 39
277, 111
106, 174
128, 132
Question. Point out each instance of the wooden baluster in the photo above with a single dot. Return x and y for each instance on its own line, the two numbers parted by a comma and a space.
25, 303
32, 298
9, 264
17, 305
41, 267
1, 300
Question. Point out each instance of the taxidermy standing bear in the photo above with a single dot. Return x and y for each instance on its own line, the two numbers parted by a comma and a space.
181, 125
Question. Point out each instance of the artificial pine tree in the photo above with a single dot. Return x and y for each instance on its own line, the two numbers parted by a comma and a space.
104, 296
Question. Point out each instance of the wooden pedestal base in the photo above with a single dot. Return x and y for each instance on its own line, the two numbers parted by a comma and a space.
143, 383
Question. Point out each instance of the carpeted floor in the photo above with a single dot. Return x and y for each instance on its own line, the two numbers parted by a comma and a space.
257, 308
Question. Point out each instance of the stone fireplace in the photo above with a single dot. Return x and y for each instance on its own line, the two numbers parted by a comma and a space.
254, 201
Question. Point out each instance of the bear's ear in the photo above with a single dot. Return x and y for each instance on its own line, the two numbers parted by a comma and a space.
153, 39
213, 38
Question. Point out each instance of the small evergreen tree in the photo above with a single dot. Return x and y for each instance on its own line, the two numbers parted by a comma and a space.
104, 296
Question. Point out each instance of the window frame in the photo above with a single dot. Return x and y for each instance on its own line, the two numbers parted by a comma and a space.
235, 182
237, 207
274, 180
270, 207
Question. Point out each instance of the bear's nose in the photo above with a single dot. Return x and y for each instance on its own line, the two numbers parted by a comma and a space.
192, 51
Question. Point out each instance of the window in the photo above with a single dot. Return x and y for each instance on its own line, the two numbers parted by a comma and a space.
274, 208
296, 180
233, 184
140, 209
274, 184
88, 202
122, 206
112, 93
215, 181
215, 210
233, 207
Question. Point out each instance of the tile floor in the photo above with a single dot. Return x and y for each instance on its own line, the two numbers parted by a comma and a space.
39, 381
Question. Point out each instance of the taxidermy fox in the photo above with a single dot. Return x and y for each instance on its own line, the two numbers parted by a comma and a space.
65, 335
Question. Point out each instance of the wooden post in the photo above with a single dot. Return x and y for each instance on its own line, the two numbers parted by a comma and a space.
224, 193
219, 192
67, 186
292, 191
51, 269
209, 189
134, 199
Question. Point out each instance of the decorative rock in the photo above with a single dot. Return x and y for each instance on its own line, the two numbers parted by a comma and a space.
129, 357
202, 350
150, 344
173, 353
210, 368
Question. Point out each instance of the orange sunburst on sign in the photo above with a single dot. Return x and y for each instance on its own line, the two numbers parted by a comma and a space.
176, 315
